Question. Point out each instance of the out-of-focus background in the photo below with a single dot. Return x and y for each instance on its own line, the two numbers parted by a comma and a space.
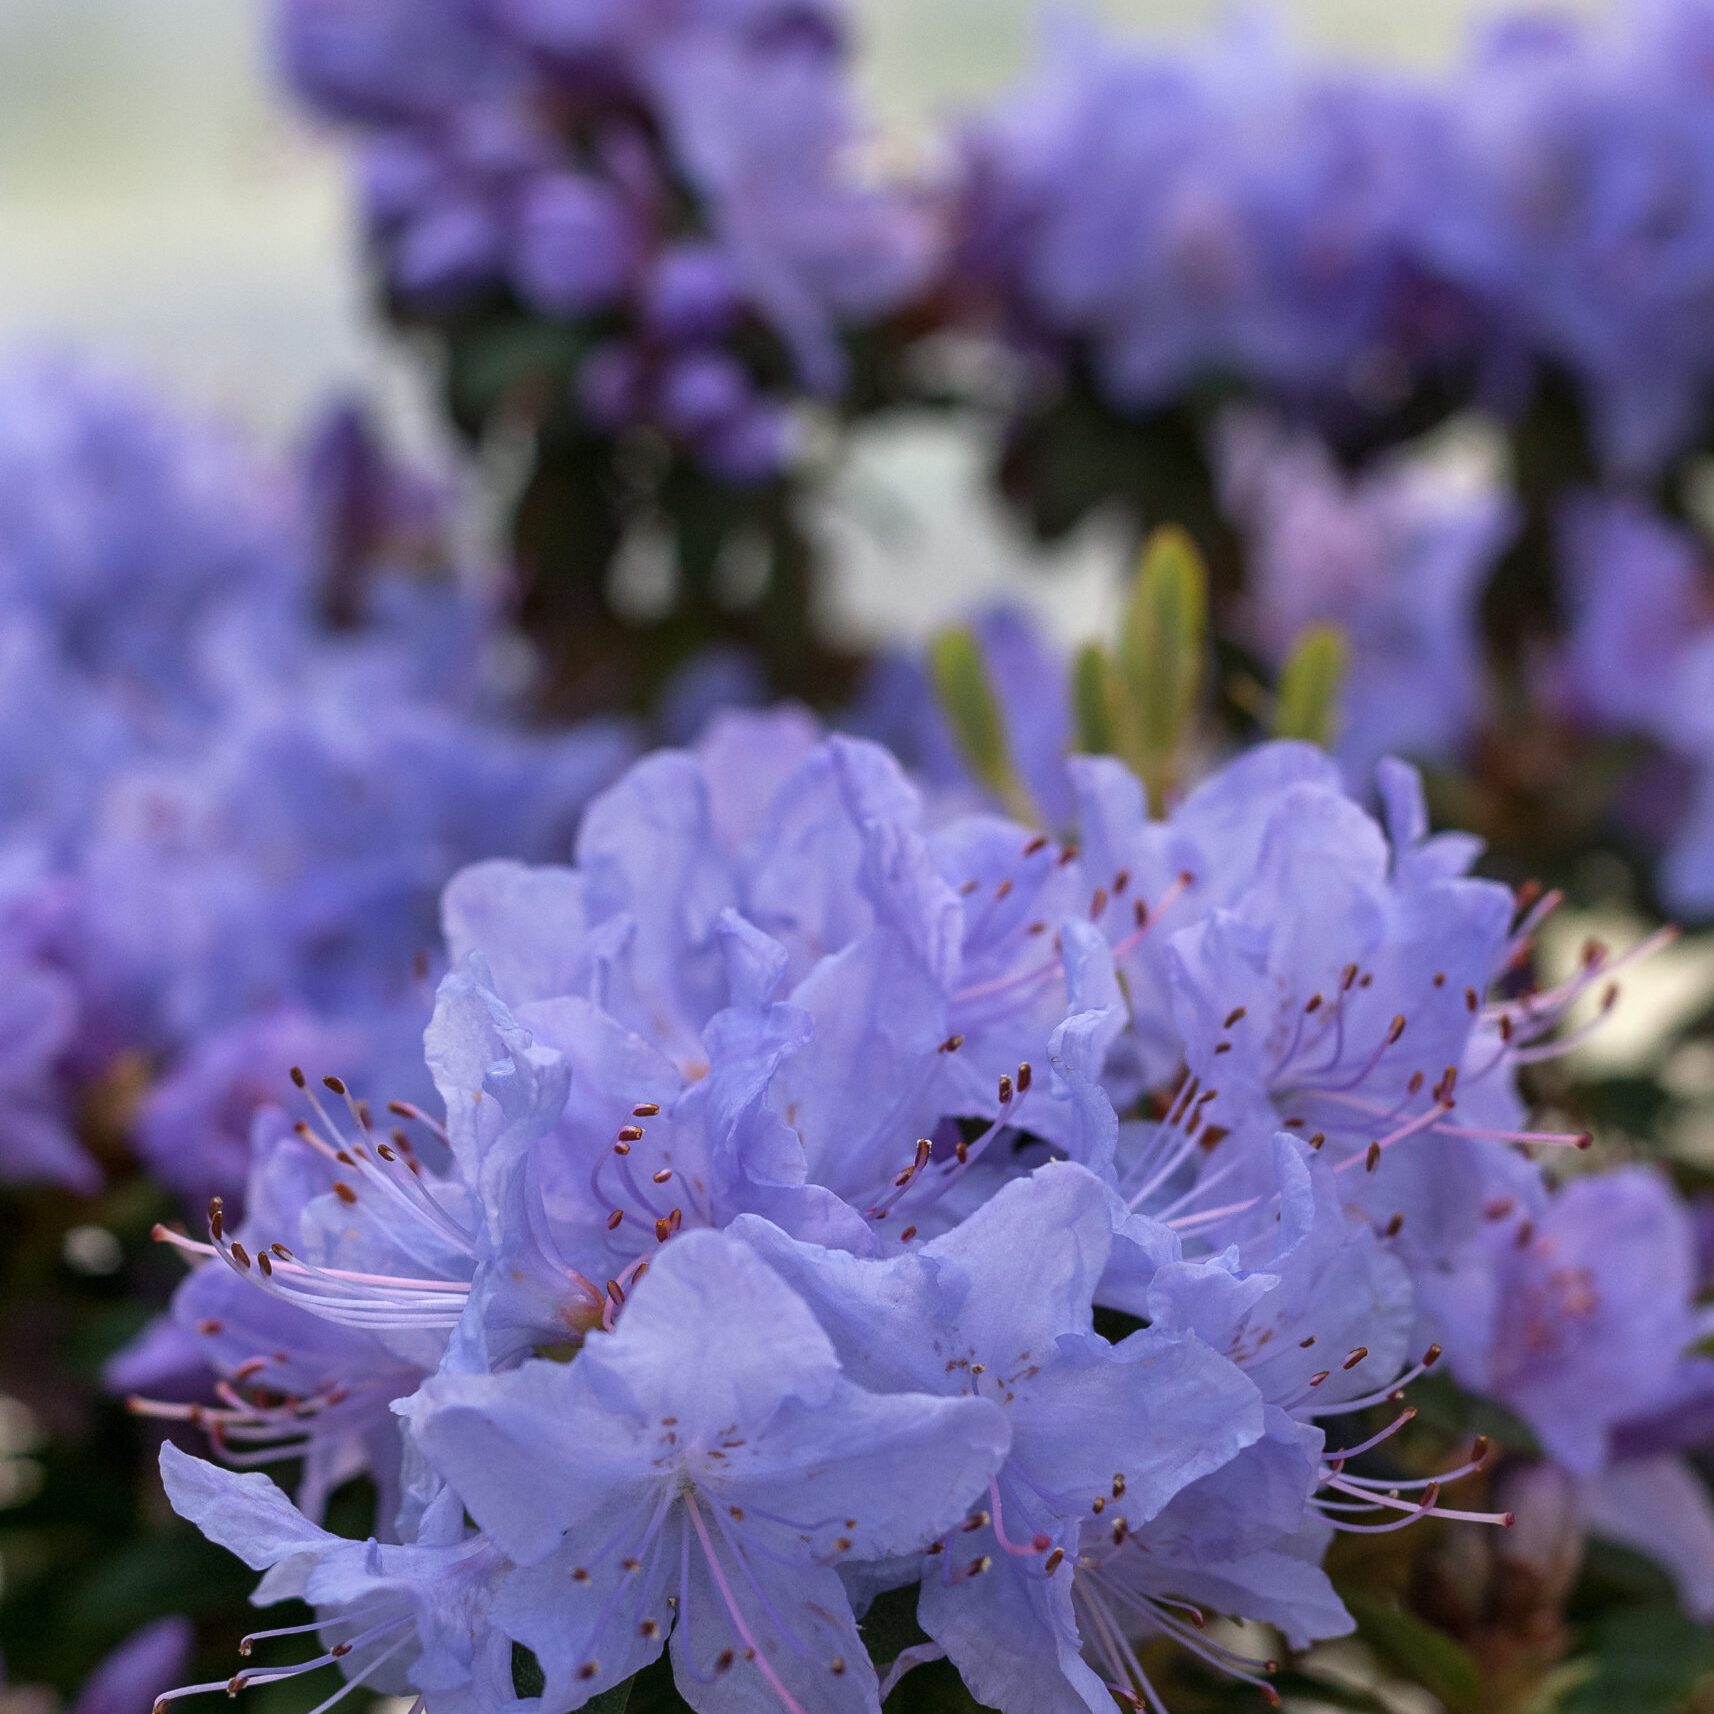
160, 203
156, 198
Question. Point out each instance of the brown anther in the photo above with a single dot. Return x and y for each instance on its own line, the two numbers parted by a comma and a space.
1395, 1029
961, 1150
621, 1148
340, 1650
1039, 843
385, 1153
1235, 1016
663, 1230
239, 1254
662, 1176
1119, 1486
1372, 1157
837, 1666
1140, 913
842, 1544
1098, 1504
1431, 1356
580, 1575
616, 1219
1304, 1344
1005, 1090
976, 1521
1026, 1076
336, 1084
1121, 881
589, 1669
1313, 1004
1355, 1357
977, 1566
1479, 1449
1004, 890
645, 1109
951, 1045
1053, 1561
1319, 1376
344, 1191
297, 1075
1316, 1141
631, 1134
1068, 855
266, 1263
211, 1327
1097, 903
1414, 1086
909, 1233
648, 1628
1440, 978
1471, 1002
1394, 1225
723, 1661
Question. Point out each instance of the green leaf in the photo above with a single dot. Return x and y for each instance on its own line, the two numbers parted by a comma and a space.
528, 1679
1095, 698
653, 1691
1646, 1660
1162, 644
890, 1625
614, 1700
496, 361
1423, 1654
961, 682
1310, 687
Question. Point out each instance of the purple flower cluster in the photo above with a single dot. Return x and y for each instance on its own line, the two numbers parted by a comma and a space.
834, 1192
1397, 558
1338, 240
675, 179
245, 746
1639, 659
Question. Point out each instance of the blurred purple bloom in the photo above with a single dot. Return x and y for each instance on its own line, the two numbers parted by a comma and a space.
1398, 561
134, 1674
